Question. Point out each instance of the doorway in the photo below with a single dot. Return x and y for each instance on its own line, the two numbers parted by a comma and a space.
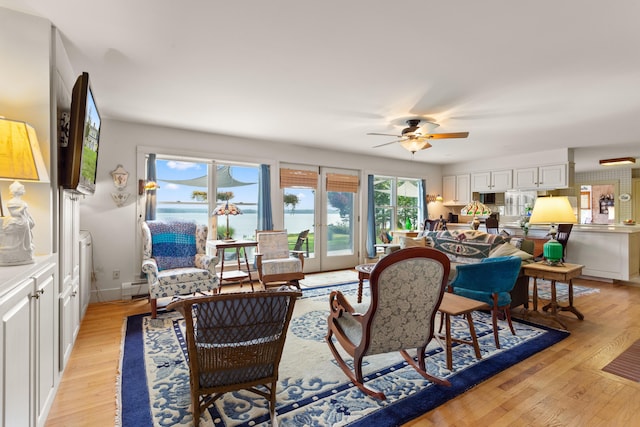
325, 202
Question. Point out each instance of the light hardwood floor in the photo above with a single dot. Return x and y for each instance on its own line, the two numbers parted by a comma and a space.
561, 386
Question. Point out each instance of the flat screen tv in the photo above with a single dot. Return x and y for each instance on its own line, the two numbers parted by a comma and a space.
79, 159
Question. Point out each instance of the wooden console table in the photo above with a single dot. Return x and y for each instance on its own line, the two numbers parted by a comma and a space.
235, 275
564, 273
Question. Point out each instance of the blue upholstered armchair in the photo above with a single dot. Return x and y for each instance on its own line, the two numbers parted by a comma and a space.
489, 281
175, 261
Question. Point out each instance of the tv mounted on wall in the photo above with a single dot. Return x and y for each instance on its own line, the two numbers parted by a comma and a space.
79, 158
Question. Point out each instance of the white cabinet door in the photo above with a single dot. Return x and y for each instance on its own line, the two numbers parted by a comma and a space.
552, 176
544, 177
491, 181
456, 189
525, 178
463, 189
46, 336
69, 321
17, 342
501, 180
481, 182
448, 189
86, 269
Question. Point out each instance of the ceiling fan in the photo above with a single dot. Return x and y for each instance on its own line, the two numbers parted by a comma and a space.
412, 139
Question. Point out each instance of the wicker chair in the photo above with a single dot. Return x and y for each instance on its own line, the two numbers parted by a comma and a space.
406, 290
235, 342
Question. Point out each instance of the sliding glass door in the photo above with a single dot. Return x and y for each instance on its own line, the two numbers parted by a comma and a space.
322, 201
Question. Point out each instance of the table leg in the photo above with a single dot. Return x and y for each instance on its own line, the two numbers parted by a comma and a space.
570, 307
246, 261
447, 333
535, 294
553, 305
474, 338
222, 264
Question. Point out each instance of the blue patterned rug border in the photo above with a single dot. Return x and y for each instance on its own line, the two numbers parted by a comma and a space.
424, 401
134, 390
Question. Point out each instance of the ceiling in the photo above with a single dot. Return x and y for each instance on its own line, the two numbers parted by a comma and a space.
519, 76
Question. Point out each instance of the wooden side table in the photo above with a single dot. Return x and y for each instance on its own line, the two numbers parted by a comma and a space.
238, 274
564, 273
363, 274
455, 305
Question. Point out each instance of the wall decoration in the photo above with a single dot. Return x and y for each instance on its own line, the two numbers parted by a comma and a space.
120, 197
120, 177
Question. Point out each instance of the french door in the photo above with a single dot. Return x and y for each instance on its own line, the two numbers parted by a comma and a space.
325, 202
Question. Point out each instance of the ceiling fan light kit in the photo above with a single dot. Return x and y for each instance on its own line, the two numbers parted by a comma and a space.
412, 139
618, 161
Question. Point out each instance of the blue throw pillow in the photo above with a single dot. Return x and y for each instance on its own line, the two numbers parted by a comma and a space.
173, 244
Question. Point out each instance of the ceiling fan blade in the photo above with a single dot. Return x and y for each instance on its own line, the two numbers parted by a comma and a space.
388, 143
384, 134
447, 135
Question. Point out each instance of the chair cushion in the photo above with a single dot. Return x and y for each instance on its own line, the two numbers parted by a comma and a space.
176, 276
409, 242
281, 266
507, 249
173, 243
464, 252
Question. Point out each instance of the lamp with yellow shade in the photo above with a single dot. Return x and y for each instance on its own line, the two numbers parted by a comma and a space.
20, 160
552, 210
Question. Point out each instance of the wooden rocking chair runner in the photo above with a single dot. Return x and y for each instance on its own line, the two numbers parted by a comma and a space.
235, 342
406, 290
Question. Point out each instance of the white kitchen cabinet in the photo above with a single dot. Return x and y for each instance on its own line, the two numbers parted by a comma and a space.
492, 181
456, 189
542, 177
29, 342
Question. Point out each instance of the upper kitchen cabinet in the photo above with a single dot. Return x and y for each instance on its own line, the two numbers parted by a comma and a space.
543, 177
456, 189
492, 181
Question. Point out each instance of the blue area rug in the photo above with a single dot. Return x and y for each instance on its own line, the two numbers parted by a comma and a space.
312, 390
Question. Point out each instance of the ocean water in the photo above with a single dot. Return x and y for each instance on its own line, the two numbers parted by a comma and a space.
244, 225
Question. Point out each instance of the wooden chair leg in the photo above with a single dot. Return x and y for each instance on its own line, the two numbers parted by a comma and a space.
154, 307
507, 314
494, 318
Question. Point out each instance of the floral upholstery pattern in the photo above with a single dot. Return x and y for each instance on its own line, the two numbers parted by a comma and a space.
199, 276
415, 282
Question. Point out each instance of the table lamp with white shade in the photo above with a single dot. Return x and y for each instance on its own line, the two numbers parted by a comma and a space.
20, 160
552, 210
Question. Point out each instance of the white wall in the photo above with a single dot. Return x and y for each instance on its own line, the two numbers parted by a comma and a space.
25, 96
115, 229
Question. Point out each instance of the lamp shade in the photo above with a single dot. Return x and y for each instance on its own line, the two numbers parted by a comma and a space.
227, 209
20, 156
415, 144
552, 210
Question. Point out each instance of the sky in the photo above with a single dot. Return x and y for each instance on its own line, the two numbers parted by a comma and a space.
177, 170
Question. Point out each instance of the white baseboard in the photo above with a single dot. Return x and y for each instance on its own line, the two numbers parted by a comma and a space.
134, 289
